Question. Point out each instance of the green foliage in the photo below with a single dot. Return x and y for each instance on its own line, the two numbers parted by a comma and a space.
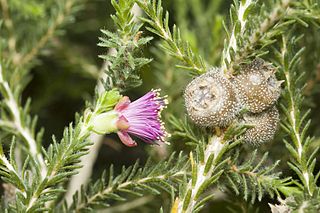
174, 45
106, 101
36, 22
15, 117
61, 162
303, 202
249, 38
296, 124
9, 167
134, 180
252, 179
201, 25
183, 130
123, 61
211, 159
263, 27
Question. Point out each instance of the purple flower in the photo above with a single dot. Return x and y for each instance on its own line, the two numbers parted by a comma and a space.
141, 118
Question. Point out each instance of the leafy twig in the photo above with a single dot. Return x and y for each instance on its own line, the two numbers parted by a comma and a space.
204, 173
134, 180
19, 125
262, 32
238, 30
9, 171
124, 62
175, 45
303, 163
253, 179
62, 157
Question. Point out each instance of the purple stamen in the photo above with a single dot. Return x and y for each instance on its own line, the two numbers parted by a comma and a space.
143, 117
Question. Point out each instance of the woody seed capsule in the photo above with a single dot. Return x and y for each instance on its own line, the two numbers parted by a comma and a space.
211, 100
265, 126
257, 86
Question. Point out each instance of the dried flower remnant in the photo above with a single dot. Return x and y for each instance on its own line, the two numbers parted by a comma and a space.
140, 118
257, 86
211, 100
265, 125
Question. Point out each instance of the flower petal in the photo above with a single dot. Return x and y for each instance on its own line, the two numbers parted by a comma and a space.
122, 123
123, 103
141, 118
126, 139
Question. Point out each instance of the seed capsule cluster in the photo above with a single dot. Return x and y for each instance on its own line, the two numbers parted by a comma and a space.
213, 100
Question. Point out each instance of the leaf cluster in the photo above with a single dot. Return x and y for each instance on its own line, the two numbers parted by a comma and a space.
174, 44
296, 123
252, 179
36, 22
134, 180
123, 61
266, 22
